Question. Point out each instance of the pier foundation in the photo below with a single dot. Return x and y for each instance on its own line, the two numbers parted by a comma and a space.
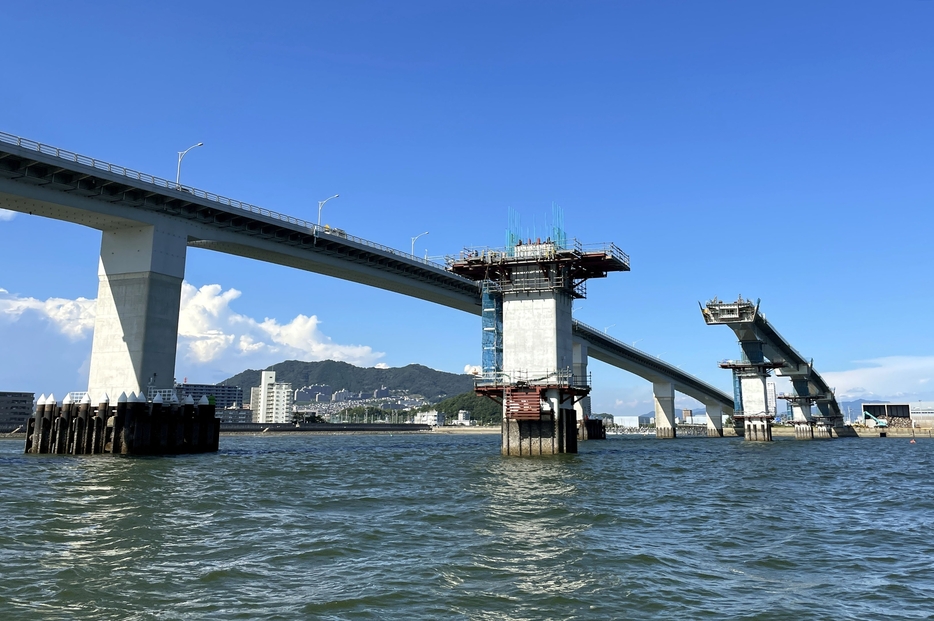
132, 427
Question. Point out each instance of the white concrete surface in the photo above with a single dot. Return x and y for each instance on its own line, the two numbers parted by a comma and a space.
136, 329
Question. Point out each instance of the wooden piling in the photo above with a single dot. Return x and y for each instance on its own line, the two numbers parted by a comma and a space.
131, 427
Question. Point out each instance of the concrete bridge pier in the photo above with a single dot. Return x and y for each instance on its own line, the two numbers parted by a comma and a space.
803, 420
757, 422
825, 423
136, 329
714, 421
664, 395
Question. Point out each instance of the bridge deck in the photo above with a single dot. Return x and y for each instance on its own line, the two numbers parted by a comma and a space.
51, 182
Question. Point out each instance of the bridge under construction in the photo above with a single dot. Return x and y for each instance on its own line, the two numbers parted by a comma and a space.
765, 350
523, 292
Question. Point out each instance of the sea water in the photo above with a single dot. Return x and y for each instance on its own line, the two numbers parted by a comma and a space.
432, 526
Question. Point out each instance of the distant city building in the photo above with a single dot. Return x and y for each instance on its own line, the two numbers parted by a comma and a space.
15, 409
634, 421
433, 418
341, 395
224, 396
770, 397
381, 393
234, 415
463, 419
315, 392
271, 401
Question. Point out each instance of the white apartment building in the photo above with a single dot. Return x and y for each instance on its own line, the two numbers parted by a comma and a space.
271, 400
433, 418
771, 397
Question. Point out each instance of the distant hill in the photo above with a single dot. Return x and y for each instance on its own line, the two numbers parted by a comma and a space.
415, 378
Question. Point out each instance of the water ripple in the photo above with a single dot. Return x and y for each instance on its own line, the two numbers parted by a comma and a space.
442, 527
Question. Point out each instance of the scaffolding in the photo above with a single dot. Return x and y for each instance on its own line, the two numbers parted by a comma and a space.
492, 305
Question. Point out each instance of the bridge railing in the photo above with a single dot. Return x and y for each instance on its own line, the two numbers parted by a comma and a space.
129, 173
559, 377
608, 248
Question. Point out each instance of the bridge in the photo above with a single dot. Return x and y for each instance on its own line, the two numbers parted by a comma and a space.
764, 350
666, 380
147, 224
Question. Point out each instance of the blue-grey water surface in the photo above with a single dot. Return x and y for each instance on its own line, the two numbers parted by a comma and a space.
436, 526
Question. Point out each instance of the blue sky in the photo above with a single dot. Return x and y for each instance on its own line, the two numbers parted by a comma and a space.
781, 151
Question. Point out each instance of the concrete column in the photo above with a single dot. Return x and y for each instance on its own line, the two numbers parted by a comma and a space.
537, 337
136, 330
715, 421
664, 393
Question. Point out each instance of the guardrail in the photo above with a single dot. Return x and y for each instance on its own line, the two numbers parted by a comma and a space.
129, 173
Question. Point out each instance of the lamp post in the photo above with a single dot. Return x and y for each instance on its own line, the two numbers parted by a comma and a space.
178, 170
320, 205
413, 242
606, 329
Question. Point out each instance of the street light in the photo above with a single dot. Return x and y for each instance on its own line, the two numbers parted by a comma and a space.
605, 330
320, 205
413, 242
178, 170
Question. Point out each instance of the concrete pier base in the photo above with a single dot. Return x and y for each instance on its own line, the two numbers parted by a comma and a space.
801, 413
551, 435
133, 427
757, 428
823, 430
664, 395
804, 430
591, 429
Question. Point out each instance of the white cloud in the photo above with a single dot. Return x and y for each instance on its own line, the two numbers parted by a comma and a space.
472, 369
209, 330
381, 365
73, 318
887, 376
6, 214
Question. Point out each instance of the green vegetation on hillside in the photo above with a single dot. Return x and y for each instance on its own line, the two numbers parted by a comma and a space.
415, 378
482, 409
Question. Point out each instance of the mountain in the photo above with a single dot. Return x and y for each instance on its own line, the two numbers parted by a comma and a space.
415, 378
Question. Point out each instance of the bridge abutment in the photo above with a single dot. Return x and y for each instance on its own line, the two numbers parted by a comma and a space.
136, 329
664, 397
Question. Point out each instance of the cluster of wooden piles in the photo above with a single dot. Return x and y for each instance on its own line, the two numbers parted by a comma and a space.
134, 426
